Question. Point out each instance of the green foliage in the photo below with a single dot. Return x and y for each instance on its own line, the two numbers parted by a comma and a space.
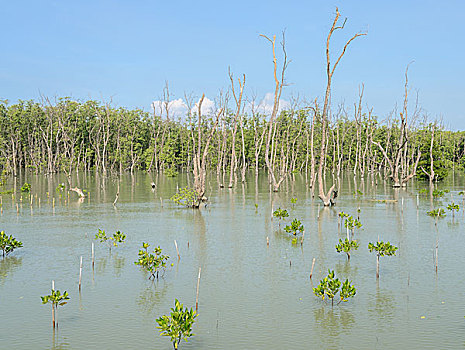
178, 325
423, 191
439, 212
439, 193
295, 227
346, 246
60, 188
8, 243
56, 299
293, 201
453, 207
26, 187
330, 286
171, 172
153, 263
118, 237
281, 214
352, 223
186, 197
382, 248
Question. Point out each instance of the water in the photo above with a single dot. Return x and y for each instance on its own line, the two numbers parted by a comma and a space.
251, 296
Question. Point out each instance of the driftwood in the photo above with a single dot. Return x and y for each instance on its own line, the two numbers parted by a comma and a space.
78, 191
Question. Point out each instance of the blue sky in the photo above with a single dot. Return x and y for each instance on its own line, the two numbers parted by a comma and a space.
126, 50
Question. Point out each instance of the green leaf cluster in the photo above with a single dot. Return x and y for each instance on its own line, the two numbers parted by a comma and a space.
26, 187
352, 223
281, 214
56, 298
346, 246
382, 248
187, 197
330, 286
178, 325
295, 227
118, 237
153, 263
8, 243
453, 207
439, 212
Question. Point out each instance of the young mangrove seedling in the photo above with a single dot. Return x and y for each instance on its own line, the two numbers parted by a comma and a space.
346, 246
351, 224
381, 249
56, 299
8, 243
293, 202
186, 197
178, 325
26, 187
437, 213
295, 227
281, 214
118, 237
453, 208
153, 263
330, 286
256, 208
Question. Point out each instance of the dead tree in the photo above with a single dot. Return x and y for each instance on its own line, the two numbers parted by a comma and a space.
238, 99
200, 158
399, 169
279, 83
329, 197
431, 173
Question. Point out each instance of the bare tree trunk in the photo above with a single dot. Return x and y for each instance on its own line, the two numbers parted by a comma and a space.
329, 197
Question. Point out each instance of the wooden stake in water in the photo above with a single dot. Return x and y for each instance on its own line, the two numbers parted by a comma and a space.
313, 265
267, 241
318, 214
302, 239
17, 208
437, 245
161, 202
418, 201
177, 251
53, 307
53, 202
93, 255
402, 205
80, 274
197, 295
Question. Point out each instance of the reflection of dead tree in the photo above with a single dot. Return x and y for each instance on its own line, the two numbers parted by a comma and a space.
400, 169
431, 173
200, 159
78, 191
329, 197
279, 83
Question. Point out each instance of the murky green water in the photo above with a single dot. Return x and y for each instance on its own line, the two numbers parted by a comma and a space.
251, 296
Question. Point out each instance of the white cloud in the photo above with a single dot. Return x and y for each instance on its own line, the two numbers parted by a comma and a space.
178, 108
266, 104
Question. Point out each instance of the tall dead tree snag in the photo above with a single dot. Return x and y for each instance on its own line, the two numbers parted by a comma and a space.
238, 99
401, 170
329, 197
279, 83
200, 158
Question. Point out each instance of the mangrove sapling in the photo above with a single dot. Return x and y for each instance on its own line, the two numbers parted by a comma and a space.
342, 215
117, 237
351, 224
178, 325
346, 246
281, 214
293, 202
330, 286
381, 249
26, 188
186, 197
453, 208
294, 228
437, 213
56, 299
8, 243
153, 263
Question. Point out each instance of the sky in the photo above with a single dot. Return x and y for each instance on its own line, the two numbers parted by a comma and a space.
126, 51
